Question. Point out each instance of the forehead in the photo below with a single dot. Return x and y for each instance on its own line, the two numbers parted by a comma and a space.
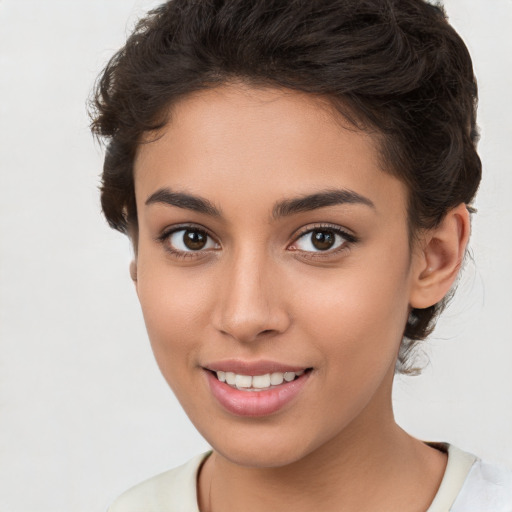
239, 144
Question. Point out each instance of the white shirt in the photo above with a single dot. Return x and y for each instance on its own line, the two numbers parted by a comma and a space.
469, 485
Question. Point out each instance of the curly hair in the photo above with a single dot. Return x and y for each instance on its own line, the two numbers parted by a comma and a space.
393, 67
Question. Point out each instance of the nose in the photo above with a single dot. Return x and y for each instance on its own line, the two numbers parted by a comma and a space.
250, 305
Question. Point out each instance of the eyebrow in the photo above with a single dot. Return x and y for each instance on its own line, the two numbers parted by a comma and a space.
321, 199
285, 208
183, 200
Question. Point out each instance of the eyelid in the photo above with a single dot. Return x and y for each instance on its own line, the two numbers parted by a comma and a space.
349, 238
165, 232
346, 233
170, 230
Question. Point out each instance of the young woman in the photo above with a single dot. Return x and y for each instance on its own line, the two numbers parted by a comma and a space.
296, 179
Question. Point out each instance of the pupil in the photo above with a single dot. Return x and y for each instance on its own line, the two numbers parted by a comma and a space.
194, 240
323, 240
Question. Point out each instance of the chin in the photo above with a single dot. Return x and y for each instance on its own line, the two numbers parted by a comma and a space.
273, 455
263, 445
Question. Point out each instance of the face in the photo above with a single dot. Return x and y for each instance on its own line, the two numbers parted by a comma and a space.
273, 254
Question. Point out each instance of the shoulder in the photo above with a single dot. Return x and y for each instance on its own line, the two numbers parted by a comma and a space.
486, 487
471, 484
172, 491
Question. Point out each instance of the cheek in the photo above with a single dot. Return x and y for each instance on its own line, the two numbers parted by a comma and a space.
358, 316
173, 308
357, 336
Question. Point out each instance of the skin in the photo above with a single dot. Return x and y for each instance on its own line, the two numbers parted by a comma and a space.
260, 290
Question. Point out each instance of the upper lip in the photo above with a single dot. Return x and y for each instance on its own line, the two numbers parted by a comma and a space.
260, 367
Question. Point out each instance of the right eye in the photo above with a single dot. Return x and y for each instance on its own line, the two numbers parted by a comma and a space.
188, 240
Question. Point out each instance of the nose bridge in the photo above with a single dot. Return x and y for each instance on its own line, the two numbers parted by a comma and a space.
249, 304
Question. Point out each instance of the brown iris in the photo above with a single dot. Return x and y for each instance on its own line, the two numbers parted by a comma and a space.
195, 240
323, 240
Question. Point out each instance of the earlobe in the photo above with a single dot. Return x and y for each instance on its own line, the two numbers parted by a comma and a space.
439, 259
133, 271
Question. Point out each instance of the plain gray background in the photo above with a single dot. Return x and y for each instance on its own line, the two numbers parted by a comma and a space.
84, 412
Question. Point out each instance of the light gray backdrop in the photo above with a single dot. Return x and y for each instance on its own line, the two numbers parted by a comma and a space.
84, 412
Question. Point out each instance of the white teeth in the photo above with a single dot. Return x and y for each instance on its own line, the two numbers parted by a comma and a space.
276, 378
257, 382
243, 381
261, 381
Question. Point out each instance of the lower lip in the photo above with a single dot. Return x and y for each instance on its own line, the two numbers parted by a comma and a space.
255, 403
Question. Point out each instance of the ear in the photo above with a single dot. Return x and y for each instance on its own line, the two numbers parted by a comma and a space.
438, 258
133, 272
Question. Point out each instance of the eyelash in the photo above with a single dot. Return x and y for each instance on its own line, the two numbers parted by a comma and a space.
176, 253
349, 240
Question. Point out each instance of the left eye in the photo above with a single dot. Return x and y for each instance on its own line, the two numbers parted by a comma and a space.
187, 240
320, 240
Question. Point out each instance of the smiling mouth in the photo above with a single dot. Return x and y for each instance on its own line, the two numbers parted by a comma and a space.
257, 383
255, 389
